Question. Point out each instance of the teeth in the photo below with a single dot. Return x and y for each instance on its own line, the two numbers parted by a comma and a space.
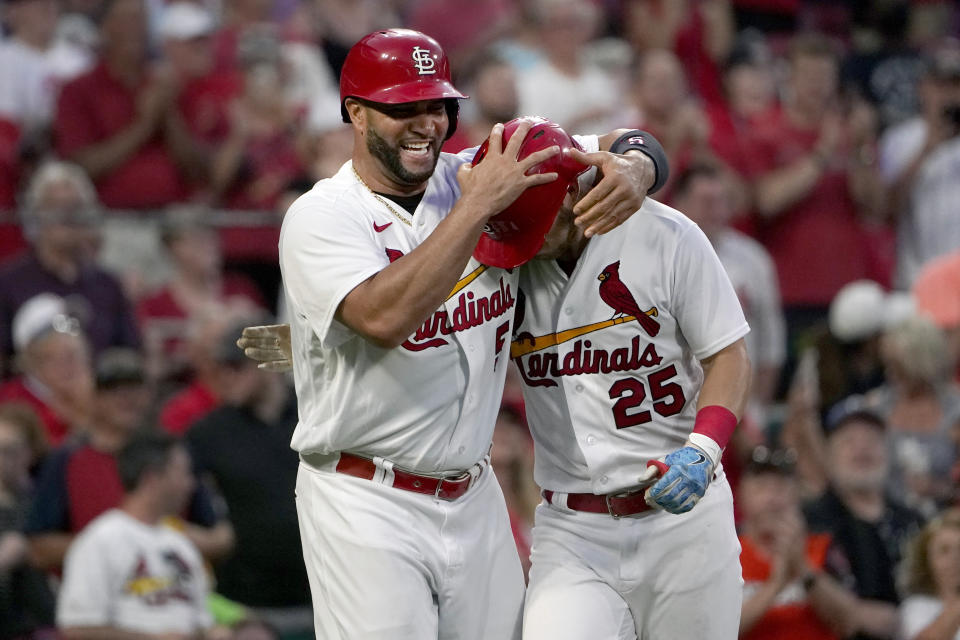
418, 146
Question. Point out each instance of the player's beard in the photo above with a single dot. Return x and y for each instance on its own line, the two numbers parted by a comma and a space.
389, 157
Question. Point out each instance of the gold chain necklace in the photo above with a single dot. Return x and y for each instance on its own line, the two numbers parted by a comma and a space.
402, 218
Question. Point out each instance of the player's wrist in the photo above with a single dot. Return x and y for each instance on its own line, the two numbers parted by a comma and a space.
712, 430
648, 145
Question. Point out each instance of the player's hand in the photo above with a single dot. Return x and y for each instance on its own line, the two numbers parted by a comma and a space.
499, 178
269, 345
626, 180
684, 483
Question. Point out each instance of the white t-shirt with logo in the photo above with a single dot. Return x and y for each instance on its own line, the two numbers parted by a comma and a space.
121, 572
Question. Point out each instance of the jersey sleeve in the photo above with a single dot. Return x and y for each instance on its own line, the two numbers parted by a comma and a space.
87, 589
704, 301
324, 254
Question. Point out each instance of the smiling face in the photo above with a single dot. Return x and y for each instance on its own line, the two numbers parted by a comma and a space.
403, 142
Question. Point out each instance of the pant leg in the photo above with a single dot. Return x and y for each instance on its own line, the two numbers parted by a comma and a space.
481, 592
367, 552
571, 595
689, 585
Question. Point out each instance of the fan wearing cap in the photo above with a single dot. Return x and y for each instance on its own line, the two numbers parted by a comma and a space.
64, 503
53, 355
867, 525
400, 346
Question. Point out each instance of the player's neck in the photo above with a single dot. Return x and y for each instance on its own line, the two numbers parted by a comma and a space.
143, 508
369, 171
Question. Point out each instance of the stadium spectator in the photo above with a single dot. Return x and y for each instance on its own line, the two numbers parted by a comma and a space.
700, 33
931, 581
814, 178
64, 503
119, 122
26, 602
918, 160
186, 31
129, 573
61, 219
787, 593
243, 447
34, 62
748, 96
211, 368
921, 404
703, 193
492, 85
54, 358
868, 527
197, 286
259, 157
563, 86
665, 108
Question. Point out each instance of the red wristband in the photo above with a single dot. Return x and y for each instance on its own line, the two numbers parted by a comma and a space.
717, 423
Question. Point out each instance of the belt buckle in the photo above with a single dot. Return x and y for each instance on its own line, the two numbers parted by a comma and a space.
608, 498
465, 475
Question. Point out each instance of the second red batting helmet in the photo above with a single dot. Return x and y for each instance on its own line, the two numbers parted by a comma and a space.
514, 235
394, 66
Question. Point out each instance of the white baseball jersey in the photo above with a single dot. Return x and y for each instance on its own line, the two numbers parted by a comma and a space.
121, 572
428, 405
604, 394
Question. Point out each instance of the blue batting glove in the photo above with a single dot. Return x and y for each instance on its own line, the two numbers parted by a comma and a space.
684, 483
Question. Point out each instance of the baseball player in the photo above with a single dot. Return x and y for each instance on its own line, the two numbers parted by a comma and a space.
630, 347
400, 342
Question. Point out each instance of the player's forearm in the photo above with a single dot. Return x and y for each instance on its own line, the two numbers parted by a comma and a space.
390, 306
727, 379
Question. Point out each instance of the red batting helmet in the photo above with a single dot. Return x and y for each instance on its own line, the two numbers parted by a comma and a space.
396, 66
514, 235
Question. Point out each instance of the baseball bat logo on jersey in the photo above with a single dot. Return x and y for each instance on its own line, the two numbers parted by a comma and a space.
537, 369
470, 312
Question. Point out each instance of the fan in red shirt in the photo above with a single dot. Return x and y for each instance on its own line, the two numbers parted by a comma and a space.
119, 120
787, 595
814, 183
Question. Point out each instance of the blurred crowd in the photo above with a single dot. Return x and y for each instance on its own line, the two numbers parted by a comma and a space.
148, 151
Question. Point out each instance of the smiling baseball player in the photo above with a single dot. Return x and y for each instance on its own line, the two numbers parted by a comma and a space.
400, 341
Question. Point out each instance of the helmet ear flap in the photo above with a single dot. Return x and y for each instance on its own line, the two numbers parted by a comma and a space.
452, 106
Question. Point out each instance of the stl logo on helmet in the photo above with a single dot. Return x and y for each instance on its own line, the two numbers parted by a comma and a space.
426, 65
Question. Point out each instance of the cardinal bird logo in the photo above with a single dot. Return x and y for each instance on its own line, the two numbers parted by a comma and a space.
616, 294
393, 254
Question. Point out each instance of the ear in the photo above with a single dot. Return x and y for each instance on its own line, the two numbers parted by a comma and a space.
357, 113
